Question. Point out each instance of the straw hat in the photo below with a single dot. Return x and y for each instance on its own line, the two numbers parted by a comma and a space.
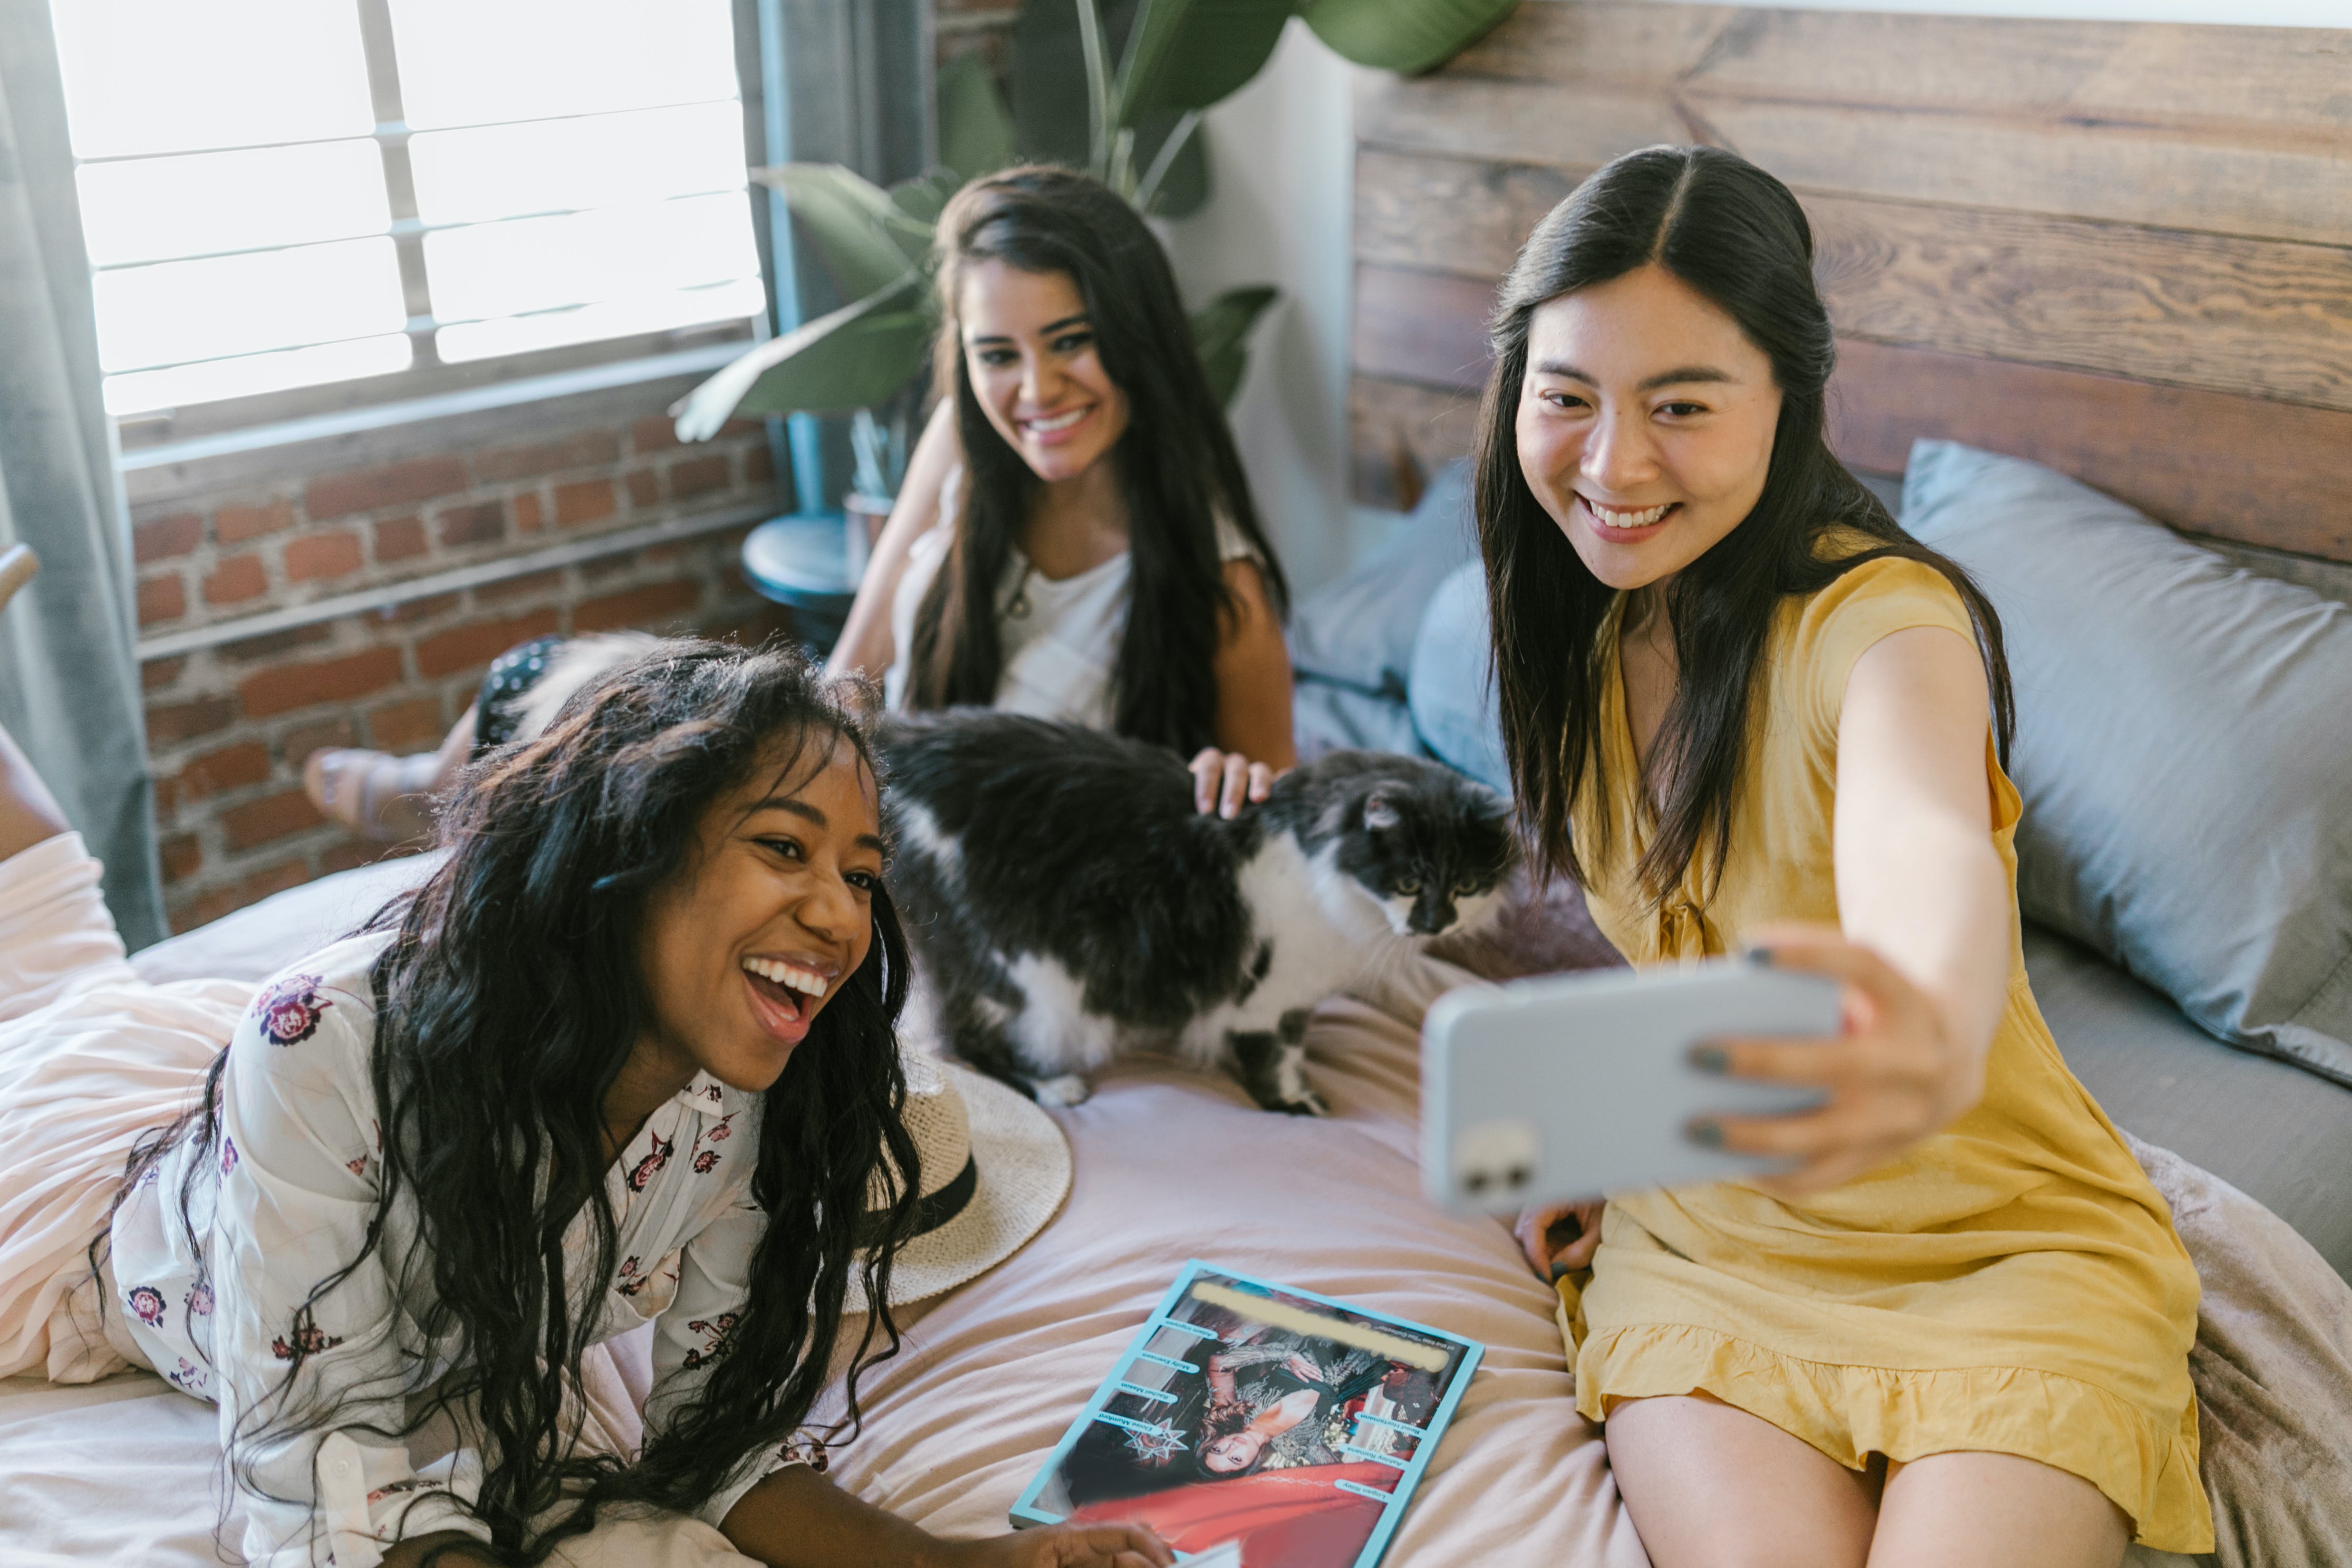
995, 1169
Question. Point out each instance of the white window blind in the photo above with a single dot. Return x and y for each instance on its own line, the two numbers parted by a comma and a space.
284, 194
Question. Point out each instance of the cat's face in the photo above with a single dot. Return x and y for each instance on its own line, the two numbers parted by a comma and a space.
1431, 847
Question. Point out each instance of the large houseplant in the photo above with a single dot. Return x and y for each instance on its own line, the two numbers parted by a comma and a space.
1145, 71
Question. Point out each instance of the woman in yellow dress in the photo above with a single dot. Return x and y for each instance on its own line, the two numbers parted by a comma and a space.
1745, 710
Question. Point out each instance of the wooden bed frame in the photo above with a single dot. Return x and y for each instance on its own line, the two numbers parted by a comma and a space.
2123, 249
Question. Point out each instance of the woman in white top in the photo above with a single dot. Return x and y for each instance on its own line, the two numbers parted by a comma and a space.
1075, 538
627, 1057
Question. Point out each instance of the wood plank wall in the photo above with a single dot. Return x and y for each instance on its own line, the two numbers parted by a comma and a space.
2122, 250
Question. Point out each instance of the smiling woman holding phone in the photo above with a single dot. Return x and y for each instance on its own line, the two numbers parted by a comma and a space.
1744, 709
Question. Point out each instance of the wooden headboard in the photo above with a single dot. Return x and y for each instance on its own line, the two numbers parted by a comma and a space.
2123, 249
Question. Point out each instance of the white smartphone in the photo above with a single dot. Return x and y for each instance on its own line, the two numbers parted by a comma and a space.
1566, 1087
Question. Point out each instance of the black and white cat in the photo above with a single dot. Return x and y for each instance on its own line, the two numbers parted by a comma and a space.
1066, 904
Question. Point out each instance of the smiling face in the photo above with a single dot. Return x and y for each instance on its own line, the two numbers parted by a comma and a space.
1233, 1453
771, 914
1029, 350
1644, 424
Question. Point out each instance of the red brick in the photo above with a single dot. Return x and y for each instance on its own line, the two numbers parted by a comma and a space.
160, 538
638, 607
394, 484
162, 599
409, 612
230, 767
272, 817
397, 538
348, 856
529, 516
698, 475
735, 427
234, 525
644, 490
518, 587
211, 906
653, 435
182, 856
273, 646
335, 553
469, 647
238, 578
167, 799
758, 465
588, 448
484, 522
176, 722
585, 501
413, 724
284, 687
157, 674
296, 744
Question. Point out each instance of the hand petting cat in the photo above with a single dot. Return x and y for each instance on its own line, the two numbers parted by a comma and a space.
1222, 780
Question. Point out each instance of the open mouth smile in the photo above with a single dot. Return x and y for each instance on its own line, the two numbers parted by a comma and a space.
785, 992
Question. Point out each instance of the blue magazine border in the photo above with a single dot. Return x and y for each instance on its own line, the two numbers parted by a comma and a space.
1024, 1512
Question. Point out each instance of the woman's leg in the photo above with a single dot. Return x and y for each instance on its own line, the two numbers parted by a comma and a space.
1968, 1509
28, 812
1713, 1487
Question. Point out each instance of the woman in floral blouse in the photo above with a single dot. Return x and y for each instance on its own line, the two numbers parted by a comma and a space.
627, 1057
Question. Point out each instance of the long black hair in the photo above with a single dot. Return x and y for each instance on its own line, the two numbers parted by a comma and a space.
1733, 233
508, 998
1177, 466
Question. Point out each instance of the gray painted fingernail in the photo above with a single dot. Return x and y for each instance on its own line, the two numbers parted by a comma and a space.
1710, 1058
1705, 1135
1761, 956
1560, 1271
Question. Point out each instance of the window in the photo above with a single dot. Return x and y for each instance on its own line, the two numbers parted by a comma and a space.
290, 193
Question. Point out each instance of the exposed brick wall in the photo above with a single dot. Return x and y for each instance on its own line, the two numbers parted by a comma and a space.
229, 726
983, 27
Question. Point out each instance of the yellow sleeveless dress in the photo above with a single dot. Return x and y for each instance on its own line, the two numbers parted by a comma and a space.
2013, 1284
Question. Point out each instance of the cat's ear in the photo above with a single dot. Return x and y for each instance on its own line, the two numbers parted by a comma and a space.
1380, 814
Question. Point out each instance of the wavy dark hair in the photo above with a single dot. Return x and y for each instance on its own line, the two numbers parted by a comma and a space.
508, 1000
1733, 233
1177, 466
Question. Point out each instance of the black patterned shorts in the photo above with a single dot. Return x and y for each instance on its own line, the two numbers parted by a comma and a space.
497, 706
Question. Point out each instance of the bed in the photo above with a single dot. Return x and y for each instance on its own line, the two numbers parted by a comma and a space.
2062, 281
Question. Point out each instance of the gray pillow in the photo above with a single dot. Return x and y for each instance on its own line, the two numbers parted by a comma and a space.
1452, 688
1357, 631
2184, 745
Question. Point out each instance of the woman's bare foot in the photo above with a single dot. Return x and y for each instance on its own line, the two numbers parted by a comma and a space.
373, 793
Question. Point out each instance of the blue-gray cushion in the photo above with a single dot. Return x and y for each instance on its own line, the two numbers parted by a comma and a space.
2184, 745
1451, 689
1357, 630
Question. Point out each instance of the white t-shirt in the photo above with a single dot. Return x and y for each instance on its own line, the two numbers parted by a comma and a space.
1060, 635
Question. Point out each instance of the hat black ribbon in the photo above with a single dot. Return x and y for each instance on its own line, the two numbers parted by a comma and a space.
931, 1211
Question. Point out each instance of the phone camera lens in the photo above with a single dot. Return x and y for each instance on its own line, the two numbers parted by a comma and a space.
1475, 1181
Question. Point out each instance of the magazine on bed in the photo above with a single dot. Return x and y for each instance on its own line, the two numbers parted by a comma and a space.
1255, 1425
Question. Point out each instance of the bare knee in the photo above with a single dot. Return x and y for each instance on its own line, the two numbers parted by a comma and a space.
1969, 1507
1709, 1486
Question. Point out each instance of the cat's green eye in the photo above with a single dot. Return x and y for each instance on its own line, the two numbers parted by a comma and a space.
1411, 884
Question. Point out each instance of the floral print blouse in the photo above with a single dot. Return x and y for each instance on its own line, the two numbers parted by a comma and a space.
282, 1201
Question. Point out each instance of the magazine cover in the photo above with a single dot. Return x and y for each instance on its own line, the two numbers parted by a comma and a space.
1258, 1426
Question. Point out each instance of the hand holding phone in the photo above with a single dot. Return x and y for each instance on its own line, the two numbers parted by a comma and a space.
1562, 1089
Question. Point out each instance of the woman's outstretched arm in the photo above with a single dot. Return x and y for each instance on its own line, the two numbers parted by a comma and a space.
1254, 743
1926, 913
866, 638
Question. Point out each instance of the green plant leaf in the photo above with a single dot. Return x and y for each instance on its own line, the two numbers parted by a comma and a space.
847, 359
1221, 331
923, 197
1049, 103
1190, 54
1404, 36
975, 127
867, 240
